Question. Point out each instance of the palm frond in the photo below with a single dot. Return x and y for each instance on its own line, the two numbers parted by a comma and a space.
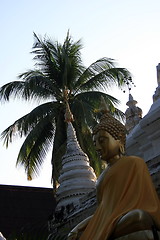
91, 103
59, 145
61, 63
32, 87
11, 89
106, 79
23, 126
36, 147
119, 115
102, 74
94, 69
39, 86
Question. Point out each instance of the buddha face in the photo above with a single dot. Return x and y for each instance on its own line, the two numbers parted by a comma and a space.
106, 145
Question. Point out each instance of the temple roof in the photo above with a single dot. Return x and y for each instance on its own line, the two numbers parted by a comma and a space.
25, 210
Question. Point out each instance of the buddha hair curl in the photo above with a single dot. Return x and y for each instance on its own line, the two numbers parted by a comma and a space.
111, 125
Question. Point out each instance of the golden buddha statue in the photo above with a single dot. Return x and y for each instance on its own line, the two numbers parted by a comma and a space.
128, 205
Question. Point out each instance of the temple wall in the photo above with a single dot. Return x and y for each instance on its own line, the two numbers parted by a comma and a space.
86, 207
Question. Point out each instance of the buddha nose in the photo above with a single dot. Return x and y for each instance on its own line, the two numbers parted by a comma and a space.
97, 146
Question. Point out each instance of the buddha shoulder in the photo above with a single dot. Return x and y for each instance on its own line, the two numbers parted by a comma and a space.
133, 160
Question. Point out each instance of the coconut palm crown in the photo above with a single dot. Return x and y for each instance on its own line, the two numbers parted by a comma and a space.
58, 69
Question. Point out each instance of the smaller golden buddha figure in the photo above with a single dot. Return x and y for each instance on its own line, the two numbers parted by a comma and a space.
128, 205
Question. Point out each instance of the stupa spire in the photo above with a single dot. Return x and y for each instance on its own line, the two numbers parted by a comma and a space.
156, 95
68, 115
133, 114
77, 177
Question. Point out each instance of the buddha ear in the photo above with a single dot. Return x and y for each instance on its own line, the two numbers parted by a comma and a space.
121, 147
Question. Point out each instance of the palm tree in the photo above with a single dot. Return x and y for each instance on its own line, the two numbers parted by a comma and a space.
58, 70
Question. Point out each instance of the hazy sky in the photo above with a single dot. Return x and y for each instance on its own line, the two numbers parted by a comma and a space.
125, 30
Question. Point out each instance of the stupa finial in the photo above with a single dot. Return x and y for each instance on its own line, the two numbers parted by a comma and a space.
68, 114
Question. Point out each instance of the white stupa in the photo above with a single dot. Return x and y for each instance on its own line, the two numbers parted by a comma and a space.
77, 177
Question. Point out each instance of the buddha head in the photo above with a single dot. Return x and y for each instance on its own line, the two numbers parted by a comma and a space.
109, 136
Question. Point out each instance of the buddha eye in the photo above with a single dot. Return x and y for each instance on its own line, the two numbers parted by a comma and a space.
102, 139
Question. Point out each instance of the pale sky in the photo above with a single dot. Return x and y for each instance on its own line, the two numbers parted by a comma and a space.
125, 30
